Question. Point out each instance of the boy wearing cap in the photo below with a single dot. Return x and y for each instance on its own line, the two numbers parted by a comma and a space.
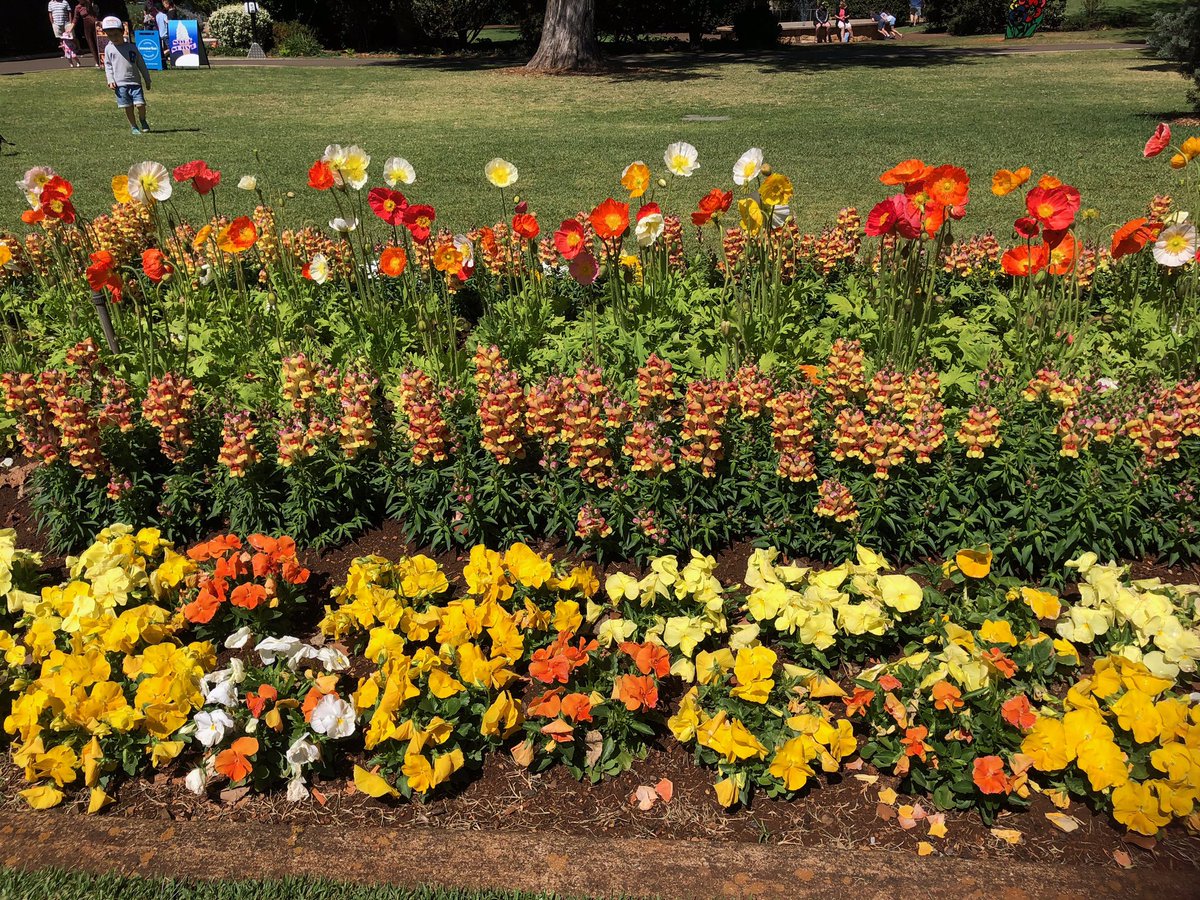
126, 72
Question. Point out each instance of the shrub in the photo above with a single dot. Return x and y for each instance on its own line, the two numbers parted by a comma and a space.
455, 22
1176, 37
296, 39
230, 25
755, 26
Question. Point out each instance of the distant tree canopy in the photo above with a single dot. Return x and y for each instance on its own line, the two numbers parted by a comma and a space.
1176, 37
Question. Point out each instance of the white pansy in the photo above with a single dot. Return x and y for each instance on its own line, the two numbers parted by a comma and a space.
196, 781
681, 159
748, 167
296, 791
333, 716
398, 171
303, 752
332, 659
271, 649
239, 638
212, 726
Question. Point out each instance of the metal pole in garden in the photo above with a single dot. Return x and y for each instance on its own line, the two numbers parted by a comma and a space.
100, 299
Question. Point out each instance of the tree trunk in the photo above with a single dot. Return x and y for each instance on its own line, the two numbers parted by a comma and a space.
568, 38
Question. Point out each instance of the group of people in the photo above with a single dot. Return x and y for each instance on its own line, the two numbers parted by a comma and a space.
76, 20
884, 21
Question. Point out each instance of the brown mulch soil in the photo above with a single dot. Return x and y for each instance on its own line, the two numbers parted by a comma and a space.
841, 813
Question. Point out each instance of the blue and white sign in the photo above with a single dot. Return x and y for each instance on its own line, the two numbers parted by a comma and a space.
185, 43
150, 47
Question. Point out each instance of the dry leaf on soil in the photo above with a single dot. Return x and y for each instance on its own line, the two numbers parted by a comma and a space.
665, 789
1124, 860
522, 754
595, 747
867, 779
885, 812
1063, 822
924, 848
937, 825
644, 797
888, 796
1008, 835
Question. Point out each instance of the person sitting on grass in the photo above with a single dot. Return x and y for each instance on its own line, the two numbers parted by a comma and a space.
886, 23
126, 72
821, 24
845, 29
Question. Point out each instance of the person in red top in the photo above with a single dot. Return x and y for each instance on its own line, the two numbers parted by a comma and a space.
85, 27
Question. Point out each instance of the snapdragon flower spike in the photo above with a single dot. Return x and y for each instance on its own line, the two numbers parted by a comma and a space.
656, 386
590, 524
649, 450
793, 434
584, 428
168, 407
420, 412
356, 426
754, 391
835, 501
501, 406
845, 372
706, 406
238, 452
544, 408
980, 430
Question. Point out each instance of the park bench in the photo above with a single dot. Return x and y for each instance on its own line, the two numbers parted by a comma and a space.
864, 29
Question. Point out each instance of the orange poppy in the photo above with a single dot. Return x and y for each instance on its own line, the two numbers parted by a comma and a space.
525, 225
636, 692
649, 657
1062, 256
1004, 182
946, 696
320, 176
1049, 182
903, 173
1133, 236
636, 179
234, 762
989, 775
238, 236
1054, 208
155, 265
948, 185
914, 742
1021, 262
610, 219
577, 707
1017, 712
446, 258
392, 262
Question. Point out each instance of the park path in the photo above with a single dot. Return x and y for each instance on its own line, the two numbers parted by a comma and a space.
716, 54
543, 861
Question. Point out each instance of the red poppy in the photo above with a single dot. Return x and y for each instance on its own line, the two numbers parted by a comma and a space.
320, 176
715, 203
525, 225
155, 265
234, 762
1158, 141
584, 269
1026, 227
392, 262
895, 215
1053, 208
649, 209
1062, 254
610, 219
206, 179
1133, 236
1017, 712
989, 776
569, 238
56, 205
102, 274
389, 205
417, 219
1022, 262
903, 173
948, 185
188, 171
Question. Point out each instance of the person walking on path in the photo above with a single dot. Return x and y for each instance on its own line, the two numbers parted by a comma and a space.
60, 15
68, 46
126, 73
86, 21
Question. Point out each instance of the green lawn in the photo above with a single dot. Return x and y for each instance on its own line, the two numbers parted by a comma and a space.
832, 118
58, 885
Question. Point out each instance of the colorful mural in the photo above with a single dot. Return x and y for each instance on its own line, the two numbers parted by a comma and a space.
1024, 18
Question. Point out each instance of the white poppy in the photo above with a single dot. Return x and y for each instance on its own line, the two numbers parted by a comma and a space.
465, 249
248, 183
33, 182
333, 716
681, 159
398, 171
500, 172
343, 226
649, 229
318, 268
211, 727
1176, 245
149, 181
748, 167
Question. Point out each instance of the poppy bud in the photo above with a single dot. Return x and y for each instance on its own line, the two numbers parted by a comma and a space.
662, 182
766, 169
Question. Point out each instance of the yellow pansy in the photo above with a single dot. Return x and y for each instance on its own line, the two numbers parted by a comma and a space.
502, 718
753, 667
567, 616
42, 797
443, 685
1136, 807
997, 631
900, 592
1103, 763
684, 723
729, 789
1047, 746
974, 563
1043, 604
1136, 714
791, 762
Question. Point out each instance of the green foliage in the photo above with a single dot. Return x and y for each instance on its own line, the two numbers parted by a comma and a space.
230, 25
1175, 36
455, 22
296, 39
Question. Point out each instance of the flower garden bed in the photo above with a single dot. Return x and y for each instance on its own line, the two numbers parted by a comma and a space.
420, 522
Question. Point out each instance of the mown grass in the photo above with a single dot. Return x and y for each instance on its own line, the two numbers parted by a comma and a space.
54, 884
833, 119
